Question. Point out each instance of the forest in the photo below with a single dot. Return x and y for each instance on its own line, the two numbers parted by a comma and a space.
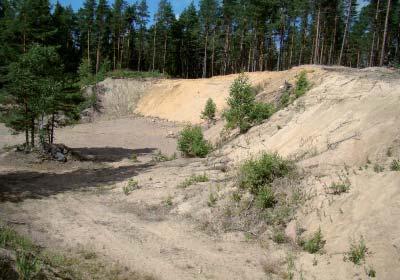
48, 52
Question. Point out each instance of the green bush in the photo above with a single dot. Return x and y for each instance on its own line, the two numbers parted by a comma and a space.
244, 111
191, 142
315, 244
255, 174
209, 111
261, 112
395, 166
302, 84
193, 180
339, 188
265, 198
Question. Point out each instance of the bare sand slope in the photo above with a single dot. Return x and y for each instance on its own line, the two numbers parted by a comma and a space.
183, 100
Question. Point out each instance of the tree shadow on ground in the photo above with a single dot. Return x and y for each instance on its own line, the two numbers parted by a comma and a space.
18, 186
109, 154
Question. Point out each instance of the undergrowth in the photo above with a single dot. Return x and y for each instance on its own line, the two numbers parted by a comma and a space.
193, 180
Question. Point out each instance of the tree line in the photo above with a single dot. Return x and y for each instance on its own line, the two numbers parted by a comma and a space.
44, 48
216, 37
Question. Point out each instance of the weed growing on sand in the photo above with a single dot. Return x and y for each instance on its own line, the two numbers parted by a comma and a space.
134, 157
255, 174
314, 244
27, 265
212, 199
130, 186
338, 188
278, 236
370, 271
389, 152
378, 168
395, 165
209, 111
10, 239
357, 252
160, 157
168, 201
265, 197
193, 180
191, 142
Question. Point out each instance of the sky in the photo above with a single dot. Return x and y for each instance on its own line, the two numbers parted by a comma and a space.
178, 5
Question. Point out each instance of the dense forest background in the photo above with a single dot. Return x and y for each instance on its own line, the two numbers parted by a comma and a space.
215, 38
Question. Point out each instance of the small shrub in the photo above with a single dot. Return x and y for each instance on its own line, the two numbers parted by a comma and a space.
261, 112
255, 174
370, 271
265, 198
194, 179
212, 199
278, 236
338, 188
395, 165
134, 157
160, 157
209, 111
378, 168
191, 142
302, 84
357, 252
27, 266
130, 186
236, 196
168, 201
315, 244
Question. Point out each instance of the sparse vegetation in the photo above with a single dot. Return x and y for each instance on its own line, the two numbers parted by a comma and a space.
209, 111
357, 252
338, 188
191, 142
130, 186
301, 86
168, 201
193, 180
134, 157
378, 168
395, 165
244, 111
314, 244
212, 199
27, 265
265, 197
255, 174
370, 271
160, 157
278, 236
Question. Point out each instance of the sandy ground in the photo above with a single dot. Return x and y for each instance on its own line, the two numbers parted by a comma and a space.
343, 127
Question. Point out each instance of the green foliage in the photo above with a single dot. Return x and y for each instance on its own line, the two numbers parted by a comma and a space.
378, 168
191, 142
130, 187
265, 197
278, 236
357, 252
395, 165
371, 272
256, 174
314, 244
338, 188
27, 266
10, 239
209, 111
193, 180
244, 111
212, 199
302, 84
160, 157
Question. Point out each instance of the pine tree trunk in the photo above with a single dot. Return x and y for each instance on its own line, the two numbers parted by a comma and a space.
88, 46
213, 54
154, 49
333, 43
345, 33
205, 56
165, 52
32, 131
98, 57
316, 50
371, 58
226, 46
385, 34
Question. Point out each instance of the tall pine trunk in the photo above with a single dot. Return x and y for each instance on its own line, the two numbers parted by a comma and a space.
371, 58
205, 56
154, 49
345, 33
385, 34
